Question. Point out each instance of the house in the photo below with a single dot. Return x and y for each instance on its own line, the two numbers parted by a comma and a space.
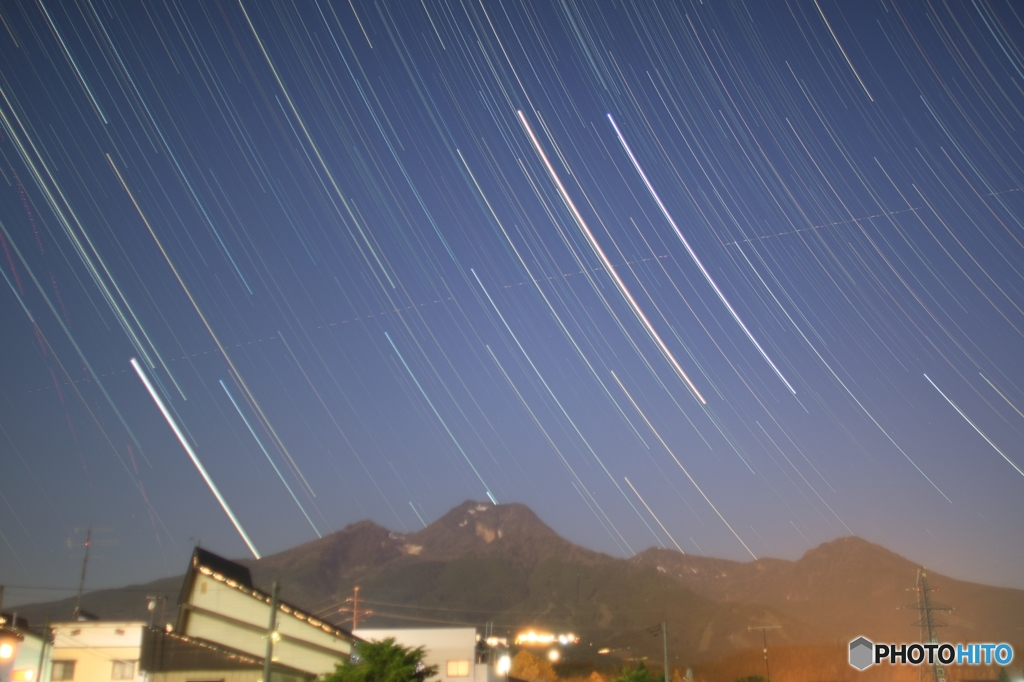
457, 652
219, 605
96, 650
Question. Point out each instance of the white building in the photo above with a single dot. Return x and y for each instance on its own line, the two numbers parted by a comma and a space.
452, 650
31, 659
22, 655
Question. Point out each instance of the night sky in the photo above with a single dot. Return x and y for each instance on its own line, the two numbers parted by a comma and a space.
733, 278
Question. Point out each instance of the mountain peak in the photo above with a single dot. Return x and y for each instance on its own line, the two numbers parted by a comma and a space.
855, 555
340, 557
512, 530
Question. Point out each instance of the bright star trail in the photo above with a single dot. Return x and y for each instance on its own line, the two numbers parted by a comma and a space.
192, 455
745, 276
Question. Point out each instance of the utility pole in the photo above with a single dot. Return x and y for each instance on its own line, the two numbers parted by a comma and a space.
81, 580
664, 641
764, 635
271, 633
42, 649
356, 612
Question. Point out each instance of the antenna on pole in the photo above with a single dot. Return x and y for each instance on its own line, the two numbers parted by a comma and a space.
81, 581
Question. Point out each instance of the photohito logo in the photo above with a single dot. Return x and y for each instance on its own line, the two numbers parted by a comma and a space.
864, 653
861, 653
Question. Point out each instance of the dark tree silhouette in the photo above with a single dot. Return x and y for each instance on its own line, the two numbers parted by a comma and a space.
385, 661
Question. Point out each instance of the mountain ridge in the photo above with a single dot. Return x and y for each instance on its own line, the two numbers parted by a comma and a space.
481, 562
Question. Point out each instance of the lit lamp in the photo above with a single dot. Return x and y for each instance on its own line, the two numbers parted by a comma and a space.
504, 665
8, 650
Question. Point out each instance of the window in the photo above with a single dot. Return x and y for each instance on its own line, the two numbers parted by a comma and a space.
458, 668
63, 670
123, 670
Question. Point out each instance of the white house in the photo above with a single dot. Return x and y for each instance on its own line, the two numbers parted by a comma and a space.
452, 650
96, 650
32, 663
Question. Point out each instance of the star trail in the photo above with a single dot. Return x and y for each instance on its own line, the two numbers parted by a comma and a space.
730, 278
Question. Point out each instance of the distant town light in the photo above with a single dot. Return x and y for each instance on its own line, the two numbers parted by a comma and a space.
545, 638
532, 637
553, 655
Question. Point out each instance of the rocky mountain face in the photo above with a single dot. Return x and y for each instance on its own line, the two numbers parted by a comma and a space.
481, 562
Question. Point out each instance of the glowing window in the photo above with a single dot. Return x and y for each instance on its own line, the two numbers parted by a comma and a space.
458, 668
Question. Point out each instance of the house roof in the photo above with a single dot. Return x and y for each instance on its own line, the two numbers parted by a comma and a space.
226, 568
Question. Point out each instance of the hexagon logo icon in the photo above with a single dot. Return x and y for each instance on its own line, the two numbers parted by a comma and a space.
861, 650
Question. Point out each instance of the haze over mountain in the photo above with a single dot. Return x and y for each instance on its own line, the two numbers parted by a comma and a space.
481, 562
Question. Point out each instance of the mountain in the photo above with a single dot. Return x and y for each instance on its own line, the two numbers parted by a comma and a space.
846, 588
500, 563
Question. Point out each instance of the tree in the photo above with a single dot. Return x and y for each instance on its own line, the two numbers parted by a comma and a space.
385, 661
752, 678
638, 674
532, 668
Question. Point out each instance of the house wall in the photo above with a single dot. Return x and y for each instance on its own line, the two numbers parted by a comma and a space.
441, 645
228, 616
